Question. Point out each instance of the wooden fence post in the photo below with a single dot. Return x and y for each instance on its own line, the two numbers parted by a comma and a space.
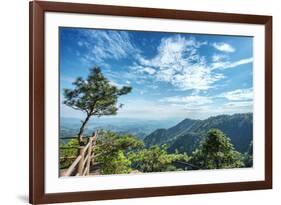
93, 146
89, 155
81, 162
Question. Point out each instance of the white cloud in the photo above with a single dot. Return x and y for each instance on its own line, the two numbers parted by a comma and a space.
218, 57
201, 107
150, 110
197, 77
224, 47
238, 104
143, 69
228, 64
149, 70
119, 85
101, 45
237, 101
193, 100
179, 63
239, 62
177, 60
238, 95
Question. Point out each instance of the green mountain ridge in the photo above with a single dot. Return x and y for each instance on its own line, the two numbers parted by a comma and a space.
186, 135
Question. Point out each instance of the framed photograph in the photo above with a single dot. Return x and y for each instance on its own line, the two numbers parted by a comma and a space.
139, 102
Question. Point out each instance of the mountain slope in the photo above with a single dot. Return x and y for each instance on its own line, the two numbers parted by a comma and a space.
186, 135
161, 136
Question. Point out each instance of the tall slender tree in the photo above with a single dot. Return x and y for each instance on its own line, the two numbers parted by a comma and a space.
95, 96
216, 152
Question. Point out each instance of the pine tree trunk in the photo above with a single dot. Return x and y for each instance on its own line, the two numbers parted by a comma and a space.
81, 131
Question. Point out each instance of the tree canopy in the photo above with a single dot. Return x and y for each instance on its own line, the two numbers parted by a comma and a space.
95, 96
155, 159
123, 154
111, 152
216, 152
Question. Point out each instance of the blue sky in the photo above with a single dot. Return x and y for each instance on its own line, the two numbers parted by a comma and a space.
173, 76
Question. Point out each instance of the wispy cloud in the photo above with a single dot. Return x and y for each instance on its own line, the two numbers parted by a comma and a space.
192, 100
142, 69
203, 106
178, 62
219, 57
228, 64
150, 110
100, 45
233, 101
238, 95
239, 62
119, 85
224, 47
238, 104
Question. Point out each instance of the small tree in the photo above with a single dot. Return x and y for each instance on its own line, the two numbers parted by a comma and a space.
95, 96
216, 152
155, 159
111, 152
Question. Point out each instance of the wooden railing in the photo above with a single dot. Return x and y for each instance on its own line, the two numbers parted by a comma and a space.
82, 163
81, 166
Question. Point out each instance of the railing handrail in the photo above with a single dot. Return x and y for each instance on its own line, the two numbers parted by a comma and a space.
72, 167
84, 158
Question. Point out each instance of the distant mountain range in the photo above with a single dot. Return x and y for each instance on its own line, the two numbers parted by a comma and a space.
69, 127
186, 135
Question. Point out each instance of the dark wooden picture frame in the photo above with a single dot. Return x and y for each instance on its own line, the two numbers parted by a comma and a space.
37, 193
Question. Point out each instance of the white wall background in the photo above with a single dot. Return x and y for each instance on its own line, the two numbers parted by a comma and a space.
14, 100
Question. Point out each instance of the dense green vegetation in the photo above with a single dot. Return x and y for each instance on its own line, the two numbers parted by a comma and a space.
216, 152
112, 152
156, 159
68, 149
186, 135
123, 154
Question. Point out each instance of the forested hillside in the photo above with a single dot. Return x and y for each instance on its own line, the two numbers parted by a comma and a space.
186, 135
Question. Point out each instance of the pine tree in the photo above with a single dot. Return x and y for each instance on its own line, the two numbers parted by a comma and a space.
216, 152
95, 96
